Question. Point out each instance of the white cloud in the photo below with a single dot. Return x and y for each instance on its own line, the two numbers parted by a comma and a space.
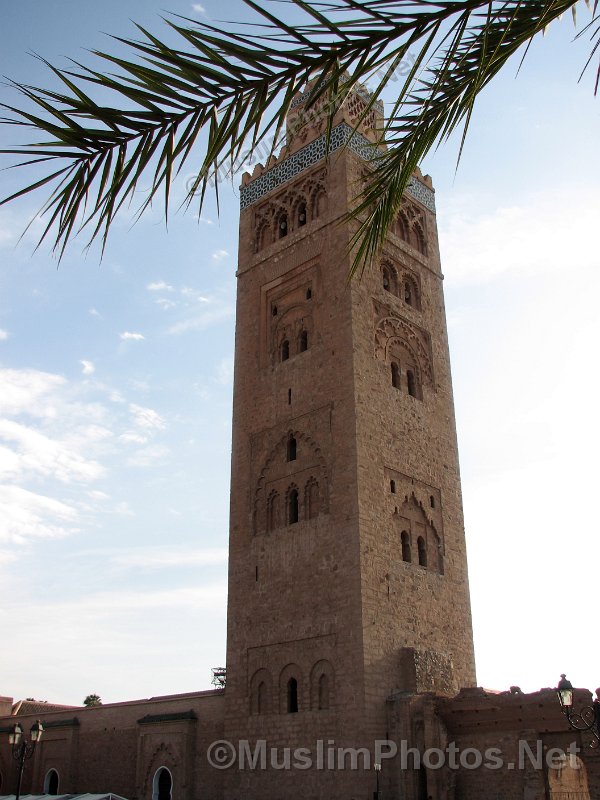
160, 286
3, 335
34, 452
198, 8
206, 221
203, 319
88, 367
27, 515
159, 558
148, 456
165, 303
147, 418
96, 494
133, 336
536, 236
95, 313
194, 294
219, 255
28, 390
131, 437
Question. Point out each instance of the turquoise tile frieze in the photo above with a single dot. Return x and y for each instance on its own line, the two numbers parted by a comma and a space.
312, 153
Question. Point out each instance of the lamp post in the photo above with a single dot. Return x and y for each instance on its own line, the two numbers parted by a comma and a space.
377, 768
23, 749
587, 719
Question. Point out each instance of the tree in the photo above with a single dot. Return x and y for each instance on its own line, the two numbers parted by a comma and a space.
236, 87
92, 700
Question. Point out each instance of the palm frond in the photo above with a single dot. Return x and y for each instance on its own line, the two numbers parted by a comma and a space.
208, 100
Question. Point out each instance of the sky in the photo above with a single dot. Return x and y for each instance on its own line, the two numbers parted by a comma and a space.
116, 384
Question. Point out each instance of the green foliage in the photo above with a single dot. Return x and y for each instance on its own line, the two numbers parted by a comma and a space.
92, 700
227, 91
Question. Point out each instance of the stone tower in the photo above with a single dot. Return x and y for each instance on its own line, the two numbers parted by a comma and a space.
347, 566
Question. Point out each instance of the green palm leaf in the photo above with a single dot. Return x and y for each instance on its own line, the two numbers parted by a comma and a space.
218, 94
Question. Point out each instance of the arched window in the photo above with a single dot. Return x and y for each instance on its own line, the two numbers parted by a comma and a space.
395, 375
312, 499
323, 692
422, 548
285, 350
51, 782
308, 293
282, 226
303, 342
162, 785
261, 698
264, 236
292, 448
393, 487
417, 238
301, 214
432, 501
319, 203
293, 507
410, 292
274, 311
292, 696
389, 279
273, 512
402, 226
405, 539
411, 383
386, 279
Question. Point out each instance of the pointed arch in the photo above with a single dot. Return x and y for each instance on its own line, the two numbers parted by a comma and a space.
291, 690
401, 226
300, 212
422, 551
395, 371
51, 782
261, 693
163, 756
394, 335
282, 224
292, 505
309, 455
162, 784
322, 686
318, 201
405, 544
303, 341
410, 292
389, 278
273, 511
264, 235
312, 501
417, 237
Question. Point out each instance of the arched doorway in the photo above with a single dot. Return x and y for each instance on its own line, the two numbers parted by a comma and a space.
51, 782
162, 785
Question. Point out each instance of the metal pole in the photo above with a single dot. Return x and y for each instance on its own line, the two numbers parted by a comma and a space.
22, 757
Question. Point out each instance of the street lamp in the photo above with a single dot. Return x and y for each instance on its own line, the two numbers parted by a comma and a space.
377, 768
23, 749
586, 720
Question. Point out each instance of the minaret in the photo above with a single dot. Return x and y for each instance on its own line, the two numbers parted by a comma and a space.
347, 564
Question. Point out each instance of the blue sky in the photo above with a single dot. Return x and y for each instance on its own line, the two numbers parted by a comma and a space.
116, 381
